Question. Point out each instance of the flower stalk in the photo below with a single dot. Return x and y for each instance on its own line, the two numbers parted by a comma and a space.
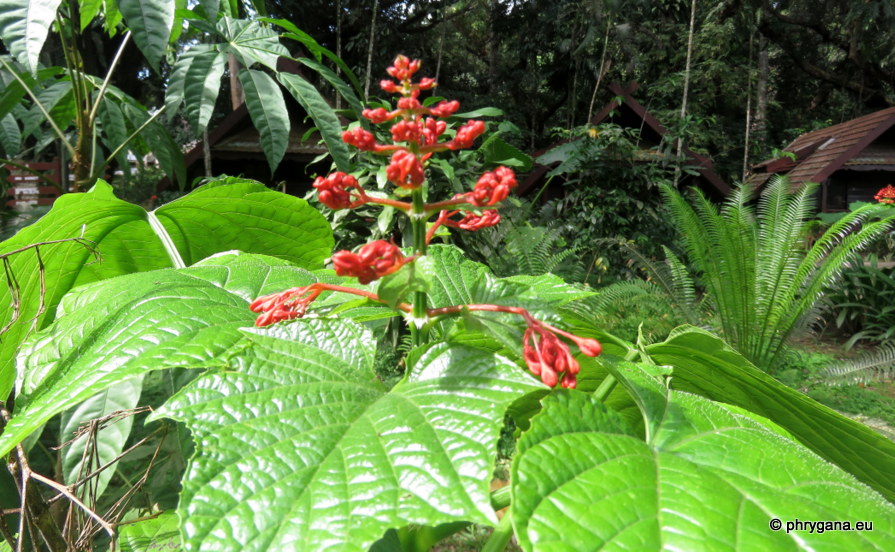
417, 134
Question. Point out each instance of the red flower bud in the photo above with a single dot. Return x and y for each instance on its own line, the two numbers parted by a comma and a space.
373, 261
333, 190
466, 135
360, 138
548, 357
406, 131
432, 129
405, 170
493, 187
444, 108
403, 67
473, 222
390, 86
409, 103
379, 115
427, 83
285, 305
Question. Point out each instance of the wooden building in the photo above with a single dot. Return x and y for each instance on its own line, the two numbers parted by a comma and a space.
851, 161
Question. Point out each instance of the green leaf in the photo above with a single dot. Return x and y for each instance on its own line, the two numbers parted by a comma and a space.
341, 86
414, 276
118, 329
151, 22
268, 110
58, 101
300, 424
202, 83
156, 534
88, 9
23, 28
482, 112
499, 152
236, 213
108, 442
10, 136
316, 50
705, 365
227, 214
323, 116
707, 479
251, 43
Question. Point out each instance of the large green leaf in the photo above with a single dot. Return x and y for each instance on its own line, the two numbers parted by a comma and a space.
227, 214
707, 478
705, 365
202, 83
342, 87
23, 28
117, 329
268, 110
300, 447
322, 114
151, 22
10, 136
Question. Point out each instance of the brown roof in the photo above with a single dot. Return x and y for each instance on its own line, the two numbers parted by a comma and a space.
832, 147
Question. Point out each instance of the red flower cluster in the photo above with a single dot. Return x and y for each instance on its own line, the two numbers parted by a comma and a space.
405, 170
493, 187
549, 357
285, 305
886, 195
373, 261
333, 191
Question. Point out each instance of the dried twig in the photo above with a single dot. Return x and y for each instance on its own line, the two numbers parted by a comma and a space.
15, 289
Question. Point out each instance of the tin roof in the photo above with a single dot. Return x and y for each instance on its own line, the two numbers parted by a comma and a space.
822, 152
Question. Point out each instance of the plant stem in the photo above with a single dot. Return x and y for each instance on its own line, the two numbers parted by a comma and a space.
605, 388
418, 224
501, 498
501, 536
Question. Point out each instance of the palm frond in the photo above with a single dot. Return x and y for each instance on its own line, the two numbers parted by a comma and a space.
876, 366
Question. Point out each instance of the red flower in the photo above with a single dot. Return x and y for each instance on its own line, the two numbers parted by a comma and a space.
379, 115
493, 187
406, 131
466, 135
403, 67
548, 357
444, 108
405, 170
360, 138
333, 191
886, 195
473, 222
285, 305
373, 261
432, 129
389, 86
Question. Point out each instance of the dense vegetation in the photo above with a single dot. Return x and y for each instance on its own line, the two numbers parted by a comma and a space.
412, 358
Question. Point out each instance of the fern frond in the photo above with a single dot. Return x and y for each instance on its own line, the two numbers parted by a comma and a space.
876, 366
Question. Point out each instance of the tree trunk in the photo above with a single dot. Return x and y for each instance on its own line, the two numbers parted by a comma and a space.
680, 143
748, 112
338, 47
759, 127
493, 48
237, 97
370, 49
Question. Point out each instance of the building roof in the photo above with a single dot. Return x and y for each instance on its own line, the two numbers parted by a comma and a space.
820, 153
625, 110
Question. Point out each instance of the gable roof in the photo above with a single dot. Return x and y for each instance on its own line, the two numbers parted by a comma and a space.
625, 110
822, 152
